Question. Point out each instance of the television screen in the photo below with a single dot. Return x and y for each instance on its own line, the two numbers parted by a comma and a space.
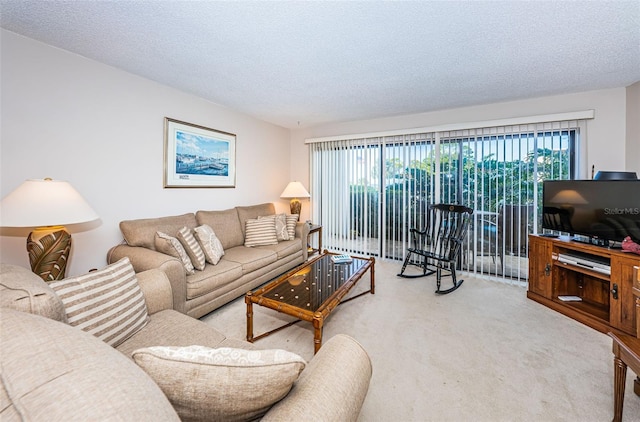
602, 209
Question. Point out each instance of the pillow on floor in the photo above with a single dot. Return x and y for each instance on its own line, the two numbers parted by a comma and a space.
222, 383
260, 232
107, 303
210, 243
192, 247
171, 246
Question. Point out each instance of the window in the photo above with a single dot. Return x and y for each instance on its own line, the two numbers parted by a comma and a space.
368, 192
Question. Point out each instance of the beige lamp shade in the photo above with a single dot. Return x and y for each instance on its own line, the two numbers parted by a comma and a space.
293, 191
46, 205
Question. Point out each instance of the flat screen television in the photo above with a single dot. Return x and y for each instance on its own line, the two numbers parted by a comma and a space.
604, 211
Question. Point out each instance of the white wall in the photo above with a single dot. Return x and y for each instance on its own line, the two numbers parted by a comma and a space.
632, 154
70, 118
606, 132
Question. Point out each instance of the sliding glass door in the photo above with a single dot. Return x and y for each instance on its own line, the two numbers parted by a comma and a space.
368, 193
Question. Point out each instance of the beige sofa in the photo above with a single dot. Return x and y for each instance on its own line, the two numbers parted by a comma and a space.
53, 371
241, 268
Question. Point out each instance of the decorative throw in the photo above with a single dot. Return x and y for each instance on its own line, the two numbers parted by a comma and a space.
260, 232
210, 243
192, 247
221, 384
107, 303
171, 246
292, 221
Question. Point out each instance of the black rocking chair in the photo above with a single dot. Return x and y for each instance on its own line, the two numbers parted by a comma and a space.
436, 248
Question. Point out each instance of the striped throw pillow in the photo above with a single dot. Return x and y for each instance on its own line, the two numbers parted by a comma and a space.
171, 246
107, 303
192, 247
260, 232
292, 221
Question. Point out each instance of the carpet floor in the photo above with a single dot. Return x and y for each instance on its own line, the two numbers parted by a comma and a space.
482, 353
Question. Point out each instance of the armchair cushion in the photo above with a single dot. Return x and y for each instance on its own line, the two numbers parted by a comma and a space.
223, 383
107, 303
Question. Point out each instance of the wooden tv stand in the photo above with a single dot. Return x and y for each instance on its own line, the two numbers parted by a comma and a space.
607, 302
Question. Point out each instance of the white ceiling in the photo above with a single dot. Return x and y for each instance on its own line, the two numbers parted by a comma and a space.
299, 64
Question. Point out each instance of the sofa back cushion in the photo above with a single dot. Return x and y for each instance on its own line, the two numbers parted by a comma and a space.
142, 232
225, 225
252, 212
24, 291
52, 371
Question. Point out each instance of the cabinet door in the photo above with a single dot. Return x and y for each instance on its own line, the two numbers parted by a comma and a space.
540, 266
623, 309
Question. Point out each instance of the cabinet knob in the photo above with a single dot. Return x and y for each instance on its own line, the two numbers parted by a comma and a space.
547, 269
614, 291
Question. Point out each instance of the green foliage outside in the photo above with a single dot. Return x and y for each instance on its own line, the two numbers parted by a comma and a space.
482, 184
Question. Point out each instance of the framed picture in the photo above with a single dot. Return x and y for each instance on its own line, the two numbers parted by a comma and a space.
197, 156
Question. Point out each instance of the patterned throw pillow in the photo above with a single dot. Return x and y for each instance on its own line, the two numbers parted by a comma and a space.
210, 243
192, 247
260, 232
280, 222
107, 303
222, 383
292, 221
171, 246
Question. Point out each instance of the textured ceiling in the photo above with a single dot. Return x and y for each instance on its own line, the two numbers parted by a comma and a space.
300, 63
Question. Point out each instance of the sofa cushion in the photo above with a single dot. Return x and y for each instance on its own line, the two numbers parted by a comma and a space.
260, 232
211, 245
171, 246
107, 303
292, 220
251, 259
172, 328
191, 245
225, 225
284, 248
25, 291
221, 383
252, 212
142, 232
213, 277
51, 371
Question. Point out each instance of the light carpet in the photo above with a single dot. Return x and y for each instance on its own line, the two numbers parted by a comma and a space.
482, 353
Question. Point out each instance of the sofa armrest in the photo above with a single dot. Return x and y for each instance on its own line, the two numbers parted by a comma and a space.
302, 233
156, 289
144, 259
332, 387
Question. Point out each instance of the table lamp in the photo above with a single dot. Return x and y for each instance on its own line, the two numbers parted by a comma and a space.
293, 191
46, 205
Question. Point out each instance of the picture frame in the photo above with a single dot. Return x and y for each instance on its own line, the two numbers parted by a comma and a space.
198, 157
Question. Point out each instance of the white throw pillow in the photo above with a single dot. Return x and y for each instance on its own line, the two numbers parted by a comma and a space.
221, 384
260, 232
107, 303
210, 243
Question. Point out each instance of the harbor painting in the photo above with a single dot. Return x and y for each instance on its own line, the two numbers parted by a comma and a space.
196, 156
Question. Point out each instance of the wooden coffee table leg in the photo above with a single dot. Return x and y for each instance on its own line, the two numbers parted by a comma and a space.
619, 378
247, 300
317, 332
373, 283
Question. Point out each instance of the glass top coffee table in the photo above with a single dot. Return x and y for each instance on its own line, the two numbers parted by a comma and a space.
310, 292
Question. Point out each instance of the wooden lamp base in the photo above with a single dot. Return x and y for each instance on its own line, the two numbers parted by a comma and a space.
48, 250
295, 207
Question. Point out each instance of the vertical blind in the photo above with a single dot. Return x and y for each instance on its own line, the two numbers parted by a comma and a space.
368, 192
